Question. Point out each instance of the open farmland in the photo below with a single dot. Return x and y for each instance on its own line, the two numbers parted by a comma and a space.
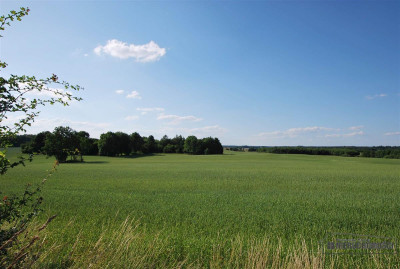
192, 204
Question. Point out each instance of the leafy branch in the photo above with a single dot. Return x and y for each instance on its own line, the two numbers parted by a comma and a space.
18, 97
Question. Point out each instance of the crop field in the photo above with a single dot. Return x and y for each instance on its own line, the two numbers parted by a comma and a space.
200, 211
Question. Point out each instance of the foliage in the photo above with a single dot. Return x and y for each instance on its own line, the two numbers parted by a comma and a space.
19, 140
63, 142
211, 146
179, 143
15, 214
150, 145
164, 141
88, 146
377, 152
27, 148
206, 145
169, 148
108, 144
191, 145
17, 111
119, 143
13, 100
123, 143
39, 141
137, 142
36, 144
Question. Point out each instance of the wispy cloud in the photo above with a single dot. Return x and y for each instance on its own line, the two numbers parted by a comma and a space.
51, 93
45, 91
119, 91
212, 130
320, 131
149, 52
392, 133
294, 132
371, 97
133, 117
345, 135
48, 124
134, 95
356, 127
175, 119
145, 110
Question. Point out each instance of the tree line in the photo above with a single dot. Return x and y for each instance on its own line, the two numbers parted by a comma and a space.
374, 152
64, 143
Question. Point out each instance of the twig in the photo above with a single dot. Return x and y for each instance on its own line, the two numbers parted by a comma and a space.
13, 237
47, 222
20, 254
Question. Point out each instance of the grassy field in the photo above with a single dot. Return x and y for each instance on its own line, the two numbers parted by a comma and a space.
201, 208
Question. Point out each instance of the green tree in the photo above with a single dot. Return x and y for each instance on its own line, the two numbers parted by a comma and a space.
164, 141
108, 144
123, 143
169, 148
93, 148
22, 139
211, 146
191, 145
179, 143
39, 141
63, 142
88, 146
150, 145
137, 142
27, 148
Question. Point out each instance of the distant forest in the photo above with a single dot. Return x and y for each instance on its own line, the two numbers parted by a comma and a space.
65, 142
119, 143
347, 151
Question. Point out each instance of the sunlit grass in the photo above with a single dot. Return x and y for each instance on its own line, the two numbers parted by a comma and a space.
191, 204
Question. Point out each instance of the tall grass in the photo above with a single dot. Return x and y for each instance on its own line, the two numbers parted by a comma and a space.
126, 245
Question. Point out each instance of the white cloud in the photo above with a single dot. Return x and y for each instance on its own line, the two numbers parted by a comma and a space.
45, 92
213, 130
294, 132
48, 124
370, 97
345, 135
175, 119
86, 55
356, 127
392, 133
149, 52
49, 93
12, 118
145, 110
134, 95
133, 117
149, 109
119, 91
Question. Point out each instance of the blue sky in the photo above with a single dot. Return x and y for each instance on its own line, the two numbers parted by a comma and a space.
255, 73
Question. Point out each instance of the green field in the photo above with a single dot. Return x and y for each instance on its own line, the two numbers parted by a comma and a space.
194, 203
